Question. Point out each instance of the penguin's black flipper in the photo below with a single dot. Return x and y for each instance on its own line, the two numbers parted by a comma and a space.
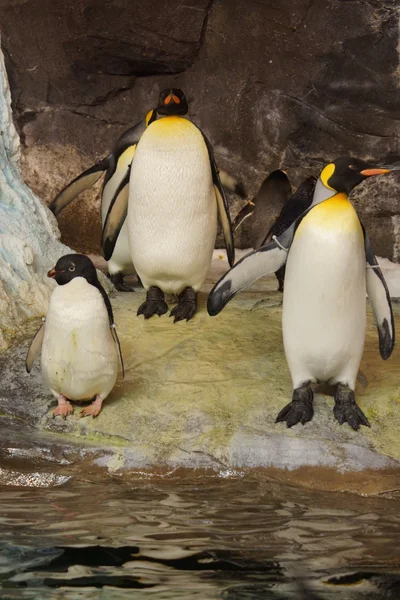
260, 262
379, 297
115, 217
118, 345
225, 220
81, 183
95, 281
244, 214
34, 348
299, 202
222, 203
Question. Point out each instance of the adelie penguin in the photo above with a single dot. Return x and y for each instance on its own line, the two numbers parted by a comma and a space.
171, 200
329, 266
116, 167
275, 192
80, 350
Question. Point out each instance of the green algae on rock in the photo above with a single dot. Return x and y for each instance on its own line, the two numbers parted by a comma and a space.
205, 394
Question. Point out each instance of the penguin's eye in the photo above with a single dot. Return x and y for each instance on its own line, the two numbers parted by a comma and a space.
71, 267
353, 167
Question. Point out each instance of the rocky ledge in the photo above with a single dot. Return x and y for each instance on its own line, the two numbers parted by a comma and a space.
205, 394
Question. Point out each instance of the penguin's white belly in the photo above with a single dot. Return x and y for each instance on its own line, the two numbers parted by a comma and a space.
79, 357
121, 259
172, 214
324, 304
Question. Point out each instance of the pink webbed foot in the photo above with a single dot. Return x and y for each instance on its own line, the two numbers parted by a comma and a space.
64, 407
93, 409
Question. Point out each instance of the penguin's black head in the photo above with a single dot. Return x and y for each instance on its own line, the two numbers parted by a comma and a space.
74, 265
344, 173
172, 102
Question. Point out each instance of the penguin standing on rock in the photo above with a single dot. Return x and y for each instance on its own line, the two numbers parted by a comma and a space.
116, 167
171, 198
329, 267
79, 345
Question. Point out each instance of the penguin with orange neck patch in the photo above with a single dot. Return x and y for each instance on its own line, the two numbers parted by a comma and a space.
329, 267
170, 200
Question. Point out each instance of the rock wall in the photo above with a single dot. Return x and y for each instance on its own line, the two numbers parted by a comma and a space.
273, 84
29, 243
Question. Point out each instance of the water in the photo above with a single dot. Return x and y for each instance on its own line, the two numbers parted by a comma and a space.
196, 537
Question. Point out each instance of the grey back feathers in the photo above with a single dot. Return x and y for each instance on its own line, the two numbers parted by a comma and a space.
78, 185
271, 197
261, 212
294, 207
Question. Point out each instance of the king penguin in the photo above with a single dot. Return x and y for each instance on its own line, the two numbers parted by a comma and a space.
116, 166
171, 201
78, 341
329, 266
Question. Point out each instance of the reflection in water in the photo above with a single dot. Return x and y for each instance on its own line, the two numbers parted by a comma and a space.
196, 538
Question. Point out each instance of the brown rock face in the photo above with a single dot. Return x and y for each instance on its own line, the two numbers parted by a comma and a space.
272, 84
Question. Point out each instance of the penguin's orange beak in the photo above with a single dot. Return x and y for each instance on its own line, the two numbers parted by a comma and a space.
171, 98
370, 172
51, 273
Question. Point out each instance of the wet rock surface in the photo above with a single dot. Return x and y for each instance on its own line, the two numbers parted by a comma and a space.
289, 85
205, 395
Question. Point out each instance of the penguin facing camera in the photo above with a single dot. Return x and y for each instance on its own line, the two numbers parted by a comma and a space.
275, 192
116, 167
170, 201
329, 266
79, 345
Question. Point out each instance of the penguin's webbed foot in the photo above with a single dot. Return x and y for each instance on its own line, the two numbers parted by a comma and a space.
117, 279
346, 409
93, 409
186, 307
64, 407
154, 303
300, 409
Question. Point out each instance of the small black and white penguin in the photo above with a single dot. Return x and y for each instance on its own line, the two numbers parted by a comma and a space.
79, 345
171, 198
116, 167
329, 267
